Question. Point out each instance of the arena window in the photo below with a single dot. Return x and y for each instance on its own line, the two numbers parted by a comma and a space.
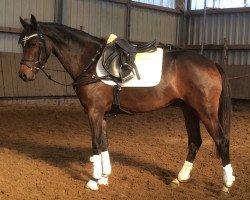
199, 4
163, 3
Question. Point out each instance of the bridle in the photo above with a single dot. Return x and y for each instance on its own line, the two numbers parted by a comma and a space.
40, 61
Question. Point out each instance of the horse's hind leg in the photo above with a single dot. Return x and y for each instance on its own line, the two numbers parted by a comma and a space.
216, 131
194, 143
192, 123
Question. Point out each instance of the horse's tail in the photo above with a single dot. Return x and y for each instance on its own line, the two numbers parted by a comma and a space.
225, 104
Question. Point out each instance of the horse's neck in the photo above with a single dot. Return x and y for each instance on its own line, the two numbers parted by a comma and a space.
75, 57
69, 60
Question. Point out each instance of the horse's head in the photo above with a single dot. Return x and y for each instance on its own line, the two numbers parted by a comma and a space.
35, 49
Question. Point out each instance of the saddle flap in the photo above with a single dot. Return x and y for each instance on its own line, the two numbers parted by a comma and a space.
114, 62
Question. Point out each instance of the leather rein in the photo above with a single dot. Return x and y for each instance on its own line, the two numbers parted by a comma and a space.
41, 61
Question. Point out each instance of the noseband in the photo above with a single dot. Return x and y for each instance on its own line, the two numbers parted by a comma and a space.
42, 49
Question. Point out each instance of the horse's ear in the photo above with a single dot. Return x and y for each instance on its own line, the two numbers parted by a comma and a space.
24, 24
33, 21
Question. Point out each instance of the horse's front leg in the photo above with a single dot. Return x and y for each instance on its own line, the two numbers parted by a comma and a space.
100, 158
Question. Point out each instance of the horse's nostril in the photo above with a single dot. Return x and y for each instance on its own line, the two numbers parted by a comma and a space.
22, 76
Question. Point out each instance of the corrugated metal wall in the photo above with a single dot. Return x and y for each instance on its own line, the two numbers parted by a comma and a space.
233, 26
10, 10
97, 17
239, 80
148, 25
236, 28
101, 18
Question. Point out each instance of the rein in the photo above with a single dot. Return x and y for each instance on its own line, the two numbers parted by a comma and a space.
51, 79
82, 74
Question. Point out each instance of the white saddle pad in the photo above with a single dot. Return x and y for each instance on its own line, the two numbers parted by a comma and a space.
149, 66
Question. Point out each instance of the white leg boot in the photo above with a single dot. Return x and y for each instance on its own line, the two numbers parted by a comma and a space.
97, 172
228, 177
184, 174
106, 168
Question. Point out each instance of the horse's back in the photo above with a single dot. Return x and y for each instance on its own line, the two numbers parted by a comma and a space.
196, 77
189, 58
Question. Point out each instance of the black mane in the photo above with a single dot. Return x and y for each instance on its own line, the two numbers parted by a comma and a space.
63, 34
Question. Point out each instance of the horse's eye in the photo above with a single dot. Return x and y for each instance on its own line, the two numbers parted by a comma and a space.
32, 44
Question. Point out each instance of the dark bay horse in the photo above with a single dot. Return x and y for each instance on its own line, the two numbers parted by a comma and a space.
198, 82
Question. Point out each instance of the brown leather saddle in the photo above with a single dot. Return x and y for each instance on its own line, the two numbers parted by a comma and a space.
118, 58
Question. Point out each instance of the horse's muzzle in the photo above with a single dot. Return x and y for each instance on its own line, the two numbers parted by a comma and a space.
26, 74
23, 76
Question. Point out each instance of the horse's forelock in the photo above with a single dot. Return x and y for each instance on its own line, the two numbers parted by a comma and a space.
22, 35
26, 32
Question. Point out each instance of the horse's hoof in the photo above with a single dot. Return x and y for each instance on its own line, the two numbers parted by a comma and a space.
92, 185
225, 189
175, 183
224, 192
103, 181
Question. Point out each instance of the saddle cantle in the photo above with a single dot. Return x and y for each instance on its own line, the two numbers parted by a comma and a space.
118, 58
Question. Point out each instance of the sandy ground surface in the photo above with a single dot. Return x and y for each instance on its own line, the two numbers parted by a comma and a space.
45, 150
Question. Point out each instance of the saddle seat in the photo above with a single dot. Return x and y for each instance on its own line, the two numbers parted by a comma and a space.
118, 58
